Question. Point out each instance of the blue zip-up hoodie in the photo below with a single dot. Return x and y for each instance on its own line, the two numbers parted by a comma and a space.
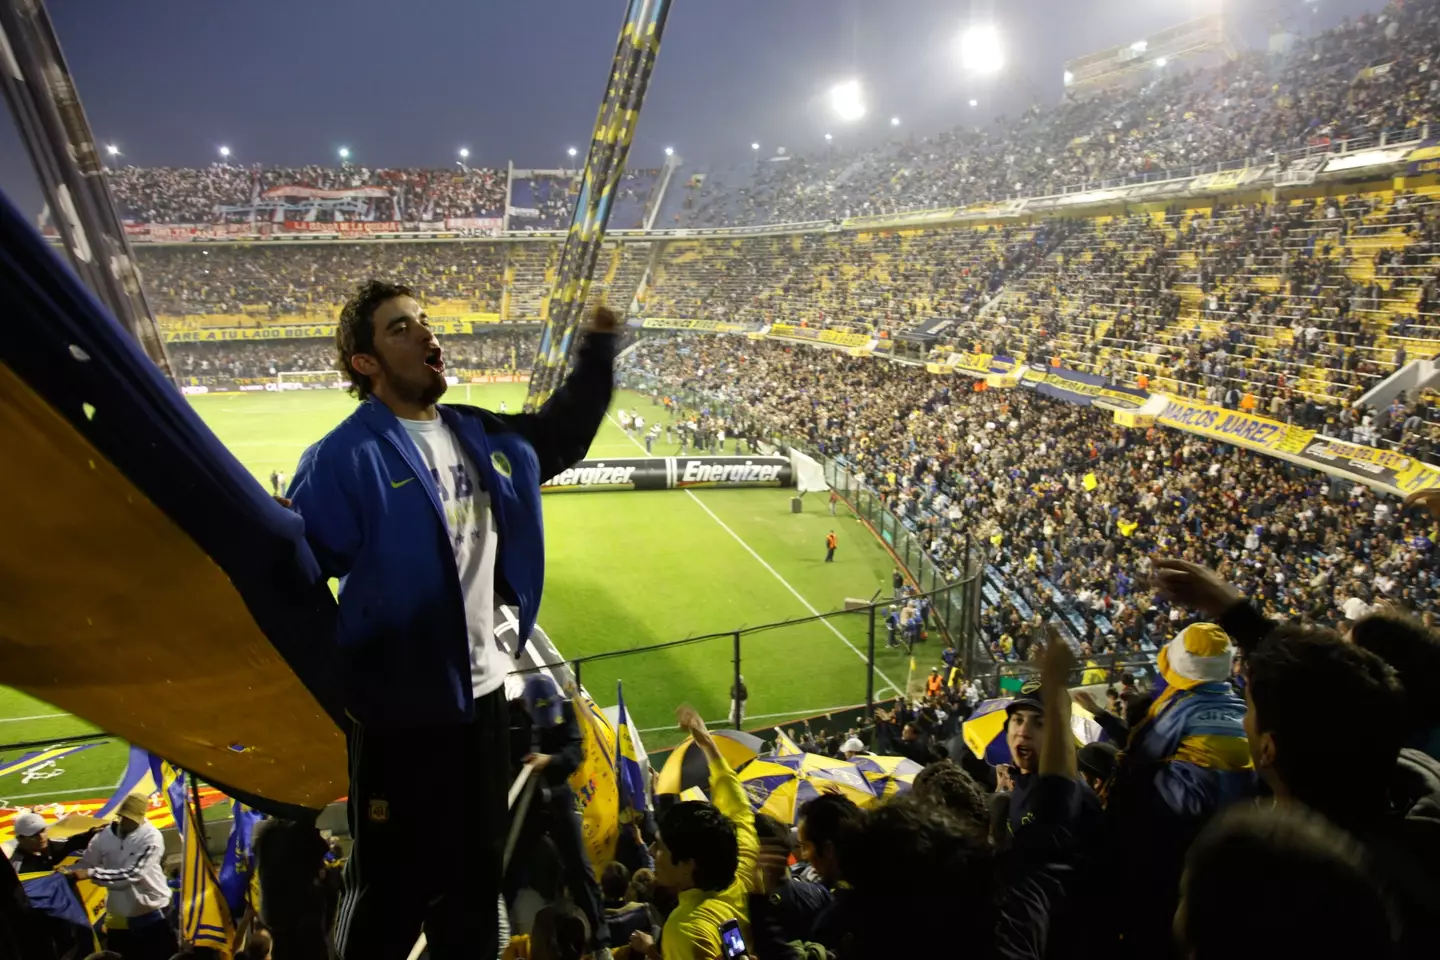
402, 633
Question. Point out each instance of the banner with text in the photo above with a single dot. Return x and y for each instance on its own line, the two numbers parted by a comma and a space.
1086, 389
818, 335
672, 473
1232, 426
477, 323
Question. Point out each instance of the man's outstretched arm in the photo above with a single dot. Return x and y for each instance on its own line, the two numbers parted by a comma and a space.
562, 429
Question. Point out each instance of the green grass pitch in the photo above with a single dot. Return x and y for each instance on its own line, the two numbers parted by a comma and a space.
624, 570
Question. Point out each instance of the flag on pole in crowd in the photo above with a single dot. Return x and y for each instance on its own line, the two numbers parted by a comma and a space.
597, 793
629, 776
39, 758
784, 746
238, 867
142, 776
1090, 483
204, 918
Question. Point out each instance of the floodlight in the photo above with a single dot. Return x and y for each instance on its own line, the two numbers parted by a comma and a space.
1161, 61
754, 146
571, 151
1140, 46
224, 151
344, 153
112, 150
464, 153
894, 121
669, 151
974, 103
829, 137
847, 100
1069, 78
980, 49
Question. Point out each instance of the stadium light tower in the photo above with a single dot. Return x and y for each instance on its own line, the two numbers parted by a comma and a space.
980, 49
1160, 62
571, 151
894, 121
344, 153
974, 103
464, 153
848, 100
829, 136
754, 146
225, 153
669, 151
112, 150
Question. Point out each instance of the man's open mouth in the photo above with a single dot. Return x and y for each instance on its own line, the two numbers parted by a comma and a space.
1026, 754
435, 360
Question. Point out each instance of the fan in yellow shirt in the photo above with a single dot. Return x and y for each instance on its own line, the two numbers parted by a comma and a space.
707, 853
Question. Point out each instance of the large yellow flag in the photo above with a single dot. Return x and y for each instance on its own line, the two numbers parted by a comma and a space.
204, 918
597, 794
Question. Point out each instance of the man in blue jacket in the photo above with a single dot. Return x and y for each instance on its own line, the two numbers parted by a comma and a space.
429, 515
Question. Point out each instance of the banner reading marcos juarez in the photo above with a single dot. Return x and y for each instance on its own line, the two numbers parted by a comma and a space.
672, 473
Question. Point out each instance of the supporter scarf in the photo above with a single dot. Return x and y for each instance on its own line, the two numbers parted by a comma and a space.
1199, 735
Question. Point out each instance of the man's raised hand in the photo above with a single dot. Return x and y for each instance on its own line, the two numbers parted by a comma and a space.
1191, 585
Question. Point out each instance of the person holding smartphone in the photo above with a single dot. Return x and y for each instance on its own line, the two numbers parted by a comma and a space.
706, 853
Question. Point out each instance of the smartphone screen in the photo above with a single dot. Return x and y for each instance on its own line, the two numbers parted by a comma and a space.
731, 940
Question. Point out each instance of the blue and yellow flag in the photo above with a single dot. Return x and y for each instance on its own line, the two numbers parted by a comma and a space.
204, 918
238, 867
628, 775
142, 776
597, 791
201, 630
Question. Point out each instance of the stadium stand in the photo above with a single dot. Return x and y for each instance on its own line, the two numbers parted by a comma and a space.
1007, 467
1368, 76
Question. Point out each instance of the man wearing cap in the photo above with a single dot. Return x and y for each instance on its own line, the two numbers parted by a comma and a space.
32, 851
852, 748
126, 858
1025, 719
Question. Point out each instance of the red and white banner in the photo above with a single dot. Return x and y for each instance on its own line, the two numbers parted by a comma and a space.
344, 226
471, 223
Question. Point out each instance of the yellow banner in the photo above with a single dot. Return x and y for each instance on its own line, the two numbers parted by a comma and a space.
1129, 418
837, 337
972, 362
1232, 426
597, 793
710, 326
939, 368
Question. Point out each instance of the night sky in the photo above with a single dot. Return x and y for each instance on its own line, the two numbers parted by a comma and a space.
408, 83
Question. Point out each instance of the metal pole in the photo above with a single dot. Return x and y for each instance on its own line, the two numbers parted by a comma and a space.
738, 712
630, 70
199, 817
576, 671
42, 98
870, 667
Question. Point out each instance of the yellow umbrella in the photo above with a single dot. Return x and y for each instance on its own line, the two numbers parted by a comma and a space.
687, 767
780, 786
888, 776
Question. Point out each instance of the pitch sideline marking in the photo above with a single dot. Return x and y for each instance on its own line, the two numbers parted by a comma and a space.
773, 572
38, 716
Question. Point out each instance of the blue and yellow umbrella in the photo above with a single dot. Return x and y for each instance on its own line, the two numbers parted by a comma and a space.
687, 767
984, 732
888, 776
781, 786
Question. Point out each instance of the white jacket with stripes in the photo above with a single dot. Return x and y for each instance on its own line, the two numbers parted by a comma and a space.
131, 869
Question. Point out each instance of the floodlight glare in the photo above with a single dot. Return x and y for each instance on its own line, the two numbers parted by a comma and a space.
669, 151
847, 100
1161, 61
829, 137
1140, 46
894, 121
571, 151
974, 103
344, 153
464, 153
111, 149
224, 151
754, 146
980, 49
1069, 78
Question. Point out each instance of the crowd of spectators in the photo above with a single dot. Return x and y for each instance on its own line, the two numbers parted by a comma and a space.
1011, 469
1324, 90
229, 193
192, 281
499, 351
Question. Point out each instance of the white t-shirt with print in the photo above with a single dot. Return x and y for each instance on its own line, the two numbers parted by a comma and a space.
471, 525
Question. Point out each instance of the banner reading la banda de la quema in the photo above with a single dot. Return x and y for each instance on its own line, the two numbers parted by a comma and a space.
672, 473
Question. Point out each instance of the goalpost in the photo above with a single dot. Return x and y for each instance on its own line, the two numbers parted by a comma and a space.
310, 380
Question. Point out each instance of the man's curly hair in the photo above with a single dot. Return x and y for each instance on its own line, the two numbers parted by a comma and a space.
355, 333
